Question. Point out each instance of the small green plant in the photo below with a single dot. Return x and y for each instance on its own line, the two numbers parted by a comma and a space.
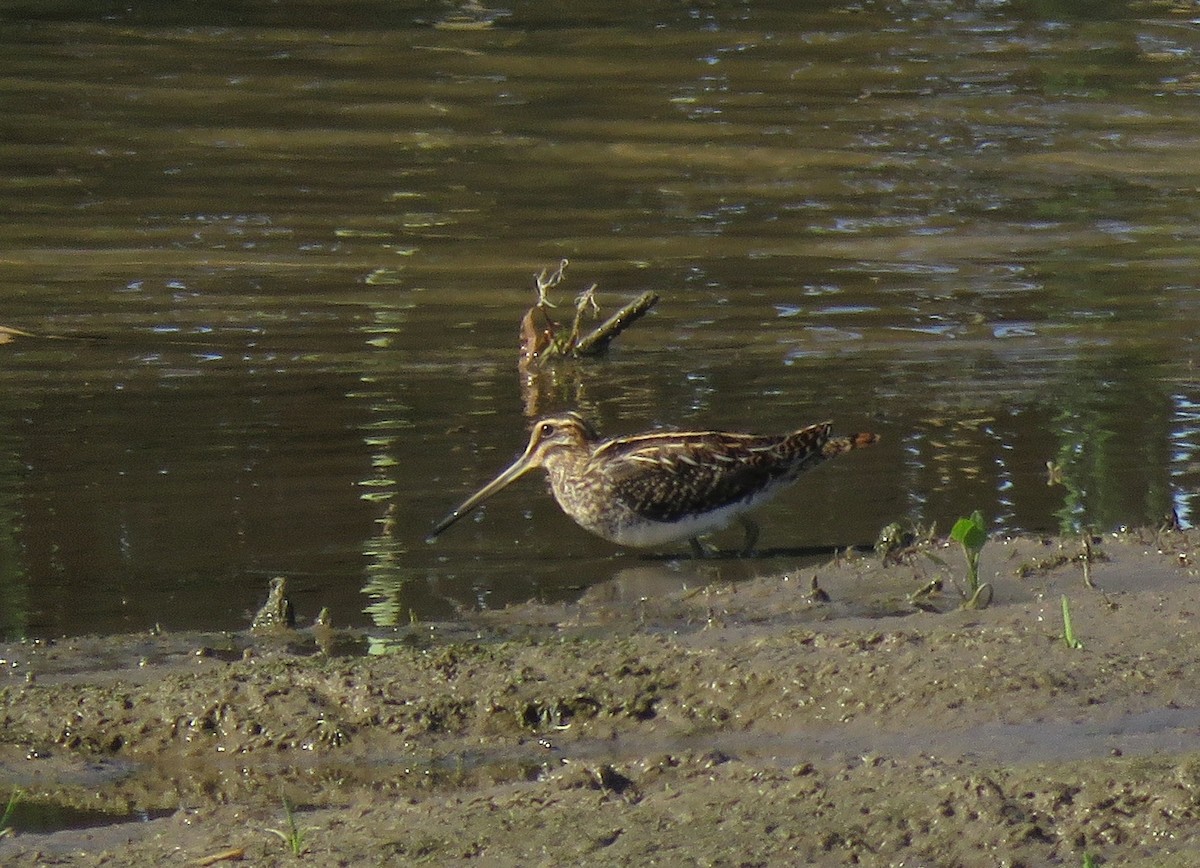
6, 819
1089, 861
1068, 630
294, 835
971, 534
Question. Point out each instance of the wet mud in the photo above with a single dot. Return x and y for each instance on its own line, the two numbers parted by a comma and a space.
852, 713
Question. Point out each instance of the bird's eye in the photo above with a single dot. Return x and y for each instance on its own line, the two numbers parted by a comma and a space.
547, 429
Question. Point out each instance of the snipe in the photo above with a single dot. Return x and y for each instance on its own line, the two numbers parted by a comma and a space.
661, 487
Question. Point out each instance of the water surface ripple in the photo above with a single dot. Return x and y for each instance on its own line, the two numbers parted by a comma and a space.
283, 253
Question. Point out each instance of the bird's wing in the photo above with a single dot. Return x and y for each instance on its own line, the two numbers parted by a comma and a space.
664, 477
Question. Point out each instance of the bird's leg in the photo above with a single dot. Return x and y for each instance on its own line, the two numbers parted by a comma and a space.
751, 539
698, 549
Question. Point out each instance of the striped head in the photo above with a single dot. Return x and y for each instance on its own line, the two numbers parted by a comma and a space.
554, 439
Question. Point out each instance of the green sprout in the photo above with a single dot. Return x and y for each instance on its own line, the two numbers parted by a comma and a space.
6, 819
971, 534
1068, 630
294, 836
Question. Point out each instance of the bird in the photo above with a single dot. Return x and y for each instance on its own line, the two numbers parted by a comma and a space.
649, 490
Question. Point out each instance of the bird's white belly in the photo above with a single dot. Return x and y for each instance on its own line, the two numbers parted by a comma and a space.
645, 534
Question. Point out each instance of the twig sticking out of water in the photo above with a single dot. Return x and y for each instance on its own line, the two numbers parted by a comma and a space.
597, 342
541, 336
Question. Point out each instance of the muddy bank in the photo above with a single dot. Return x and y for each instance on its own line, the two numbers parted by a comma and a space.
849, 714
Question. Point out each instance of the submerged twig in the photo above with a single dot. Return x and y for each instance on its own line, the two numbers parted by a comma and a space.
542, 338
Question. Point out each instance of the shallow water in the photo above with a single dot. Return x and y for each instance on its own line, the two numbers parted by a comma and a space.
287, 252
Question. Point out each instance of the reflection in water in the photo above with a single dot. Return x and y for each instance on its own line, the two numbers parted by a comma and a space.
1185, 455
308, 252
386, 577
14, 582
386, 421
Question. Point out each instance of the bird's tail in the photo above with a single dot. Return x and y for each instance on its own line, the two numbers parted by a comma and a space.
837, 445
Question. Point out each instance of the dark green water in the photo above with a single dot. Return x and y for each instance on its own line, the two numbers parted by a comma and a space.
288, 248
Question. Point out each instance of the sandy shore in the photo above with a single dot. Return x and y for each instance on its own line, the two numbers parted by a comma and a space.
741, 723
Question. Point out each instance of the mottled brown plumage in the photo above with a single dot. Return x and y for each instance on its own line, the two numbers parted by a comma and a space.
656, 488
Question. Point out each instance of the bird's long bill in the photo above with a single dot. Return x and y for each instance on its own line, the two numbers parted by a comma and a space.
515, 471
